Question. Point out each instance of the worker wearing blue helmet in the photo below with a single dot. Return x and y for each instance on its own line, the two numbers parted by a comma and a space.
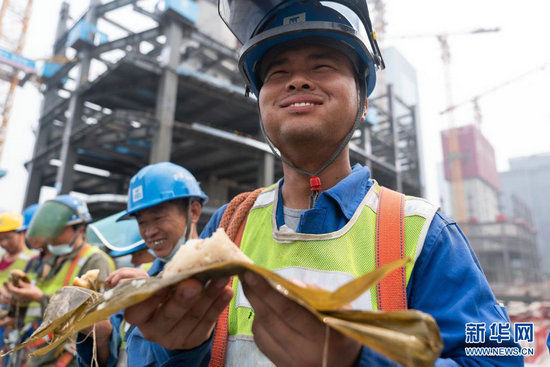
166, 201
28, 214
35, 265
60, 224
311, 65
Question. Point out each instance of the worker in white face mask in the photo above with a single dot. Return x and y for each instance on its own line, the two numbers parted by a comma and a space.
61, 224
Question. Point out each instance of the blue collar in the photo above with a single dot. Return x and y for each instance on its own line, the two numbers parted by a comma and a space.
335, 206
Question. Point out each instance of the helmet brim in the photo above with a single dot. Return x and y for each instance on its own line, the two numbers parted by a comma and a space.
130, 214
337, 35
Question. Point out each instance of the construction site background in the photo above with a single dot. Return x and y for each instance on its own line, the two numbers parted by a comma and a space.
125, 83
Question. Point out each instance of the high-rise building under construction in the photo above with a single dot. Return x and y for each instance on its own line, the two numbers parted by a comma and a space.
506, 246
170, 90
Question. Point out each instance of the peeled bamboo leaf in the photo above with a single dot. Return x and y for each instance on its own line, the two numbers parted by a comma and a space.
135, 291
408, 337
350, 291
66, 305
404, 348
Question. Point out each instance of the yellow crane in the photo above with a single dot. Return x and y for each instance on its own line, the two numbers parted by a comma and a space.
14, 21
459, 202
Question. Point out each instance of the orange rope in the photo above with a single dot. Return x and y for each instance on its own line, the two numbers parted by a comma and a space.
233, 221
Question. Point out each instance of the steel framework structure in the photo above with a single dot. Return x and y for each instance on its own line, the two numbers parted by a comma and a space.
174, 94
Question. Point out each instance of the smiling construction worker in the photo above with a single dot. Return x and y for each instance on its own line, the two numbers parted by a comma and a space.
312, 65
166, 201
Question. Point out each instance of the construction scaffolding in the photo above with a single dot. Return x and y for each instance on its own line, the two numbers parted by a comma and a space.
507, 252
173, 93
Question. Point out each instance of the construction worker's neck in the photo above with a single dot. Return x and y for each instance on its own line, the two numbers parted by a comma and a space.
296, 188
15, 251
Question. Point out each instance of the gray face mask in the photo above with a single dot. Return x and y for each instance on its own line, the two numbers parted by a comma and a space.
169, 257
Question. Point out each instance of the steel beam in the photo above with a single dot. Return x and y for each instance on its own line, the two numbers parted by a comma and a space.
112, 5
228, 137
125, 41
220, 48
167, 95
34, 181
64, 177
60, 74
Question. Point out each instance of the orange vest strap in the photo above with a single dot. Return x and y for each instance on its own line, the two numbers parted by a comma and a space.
233, 221
390, 246
74, 263
64, 360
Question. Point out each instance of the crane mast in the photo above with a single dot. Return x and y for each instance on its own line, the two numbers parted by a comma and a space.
14, 21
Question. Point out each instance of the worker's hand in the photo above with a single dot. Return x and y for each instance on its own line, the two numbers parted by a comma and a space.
288, 334
5, 296
25, 291
124, 273
103, 330
183, 317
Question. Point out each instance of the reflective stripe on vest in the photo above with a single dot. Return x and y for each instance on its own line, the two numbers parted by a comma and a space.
326, 260
19, 264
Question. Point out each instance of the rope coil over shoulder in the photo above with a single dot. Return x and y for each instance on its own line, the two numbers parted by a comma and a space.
233, 222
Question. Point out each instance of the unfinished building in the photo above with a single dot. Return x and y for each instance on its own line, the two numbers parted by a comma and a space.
170, 91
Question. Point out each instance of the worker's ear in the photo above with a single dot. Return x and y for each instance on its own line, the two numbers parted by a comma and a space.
365, 108
196, 209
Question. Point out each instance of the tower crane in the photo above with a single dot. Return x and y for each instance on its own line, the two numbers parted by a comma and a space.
459, 201
14, 20
475, 99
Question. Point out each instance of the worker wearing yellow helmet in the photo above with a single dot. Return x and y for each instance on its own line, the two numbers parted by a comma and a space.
15, 257
61, 223
12, 241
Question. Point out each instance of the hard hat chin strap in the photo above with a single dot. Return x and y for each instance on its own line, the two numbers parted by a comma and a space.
314, 180
187, 233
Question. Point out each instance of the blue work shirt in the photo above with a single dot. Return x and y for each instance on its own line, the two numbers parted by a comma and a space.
447, 282
140, 351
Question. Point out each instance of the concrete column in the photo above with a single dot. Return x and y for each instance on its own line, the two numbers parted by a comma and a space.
64, 181
167, 95
34, 181
266, 174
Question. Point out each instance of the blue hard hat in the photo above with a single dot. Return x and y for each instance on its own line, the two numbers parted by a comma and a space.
81, 214
261, 25
158, 183
28, 213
